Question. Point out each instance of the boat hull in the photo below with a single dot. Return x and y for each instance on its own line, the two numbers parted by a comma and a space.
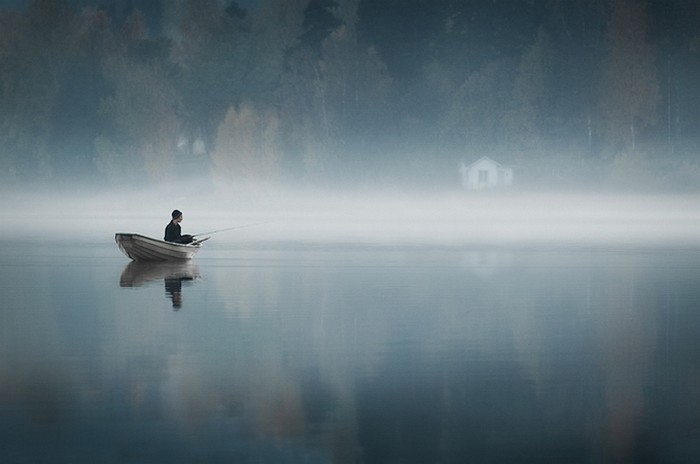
141, 248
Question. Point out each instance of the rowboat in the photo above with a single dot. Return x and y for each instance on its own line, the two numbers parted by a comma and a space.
141, 248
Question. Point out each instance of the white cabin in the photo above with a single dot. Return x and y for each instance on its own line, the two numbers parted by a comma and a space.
485, 173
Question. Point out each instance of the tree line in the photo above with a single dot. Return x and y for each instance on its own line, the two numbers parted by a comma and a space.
349, 91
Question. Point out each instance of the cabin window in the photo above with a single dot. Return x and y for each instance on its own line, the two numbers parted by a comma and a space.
483, 176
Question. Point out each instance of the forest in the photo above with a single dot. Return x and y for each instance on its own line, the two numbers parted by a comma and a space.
352, 93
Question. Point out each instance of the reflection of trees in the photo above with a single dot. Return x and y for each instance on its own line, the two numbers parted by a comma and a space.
462, 409
559, 357
422, 367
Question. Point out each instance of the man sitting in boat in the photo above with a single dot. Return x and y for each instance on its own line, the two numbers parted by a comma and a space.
173, 232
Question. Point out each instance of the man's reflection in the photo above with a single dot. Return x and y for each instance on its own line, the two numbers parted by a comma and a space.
173, 289
137, 274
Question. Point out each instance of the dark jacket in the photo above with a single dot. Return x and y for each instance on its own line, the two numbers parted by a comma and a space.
173, 233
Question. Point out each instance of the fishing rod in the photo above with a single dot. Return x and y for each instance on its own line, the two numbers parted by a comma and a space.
231, 228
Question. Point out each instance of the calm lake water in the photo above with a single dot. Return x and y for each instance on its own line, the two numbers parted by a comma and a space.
306, 353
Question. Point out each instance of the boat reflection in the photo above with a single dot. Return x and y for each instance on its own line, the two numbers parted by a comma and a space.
137, 274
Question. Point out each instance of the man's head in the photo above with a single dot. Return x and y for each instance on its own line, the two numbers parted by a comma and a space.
177, 215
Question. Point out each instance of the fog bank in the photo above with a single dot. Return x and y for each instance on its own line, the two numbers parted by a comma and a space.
370, 218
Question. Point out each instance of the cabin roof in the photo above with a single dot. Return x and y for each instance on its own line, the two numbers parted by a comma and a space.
483, 158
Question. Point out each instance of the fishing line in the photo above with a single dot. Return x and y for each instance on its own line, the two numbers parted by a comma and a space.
231, 228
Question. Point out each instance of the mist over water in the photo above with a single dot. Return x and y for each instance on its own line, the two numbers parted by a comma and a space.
381, 218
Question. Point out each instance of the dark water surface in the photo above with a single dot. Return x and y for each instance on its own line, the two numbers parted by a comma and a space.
349, 354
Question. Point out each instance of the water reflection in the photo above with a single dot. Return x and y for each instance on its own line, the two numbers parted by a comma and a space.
173, 274
403, 356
